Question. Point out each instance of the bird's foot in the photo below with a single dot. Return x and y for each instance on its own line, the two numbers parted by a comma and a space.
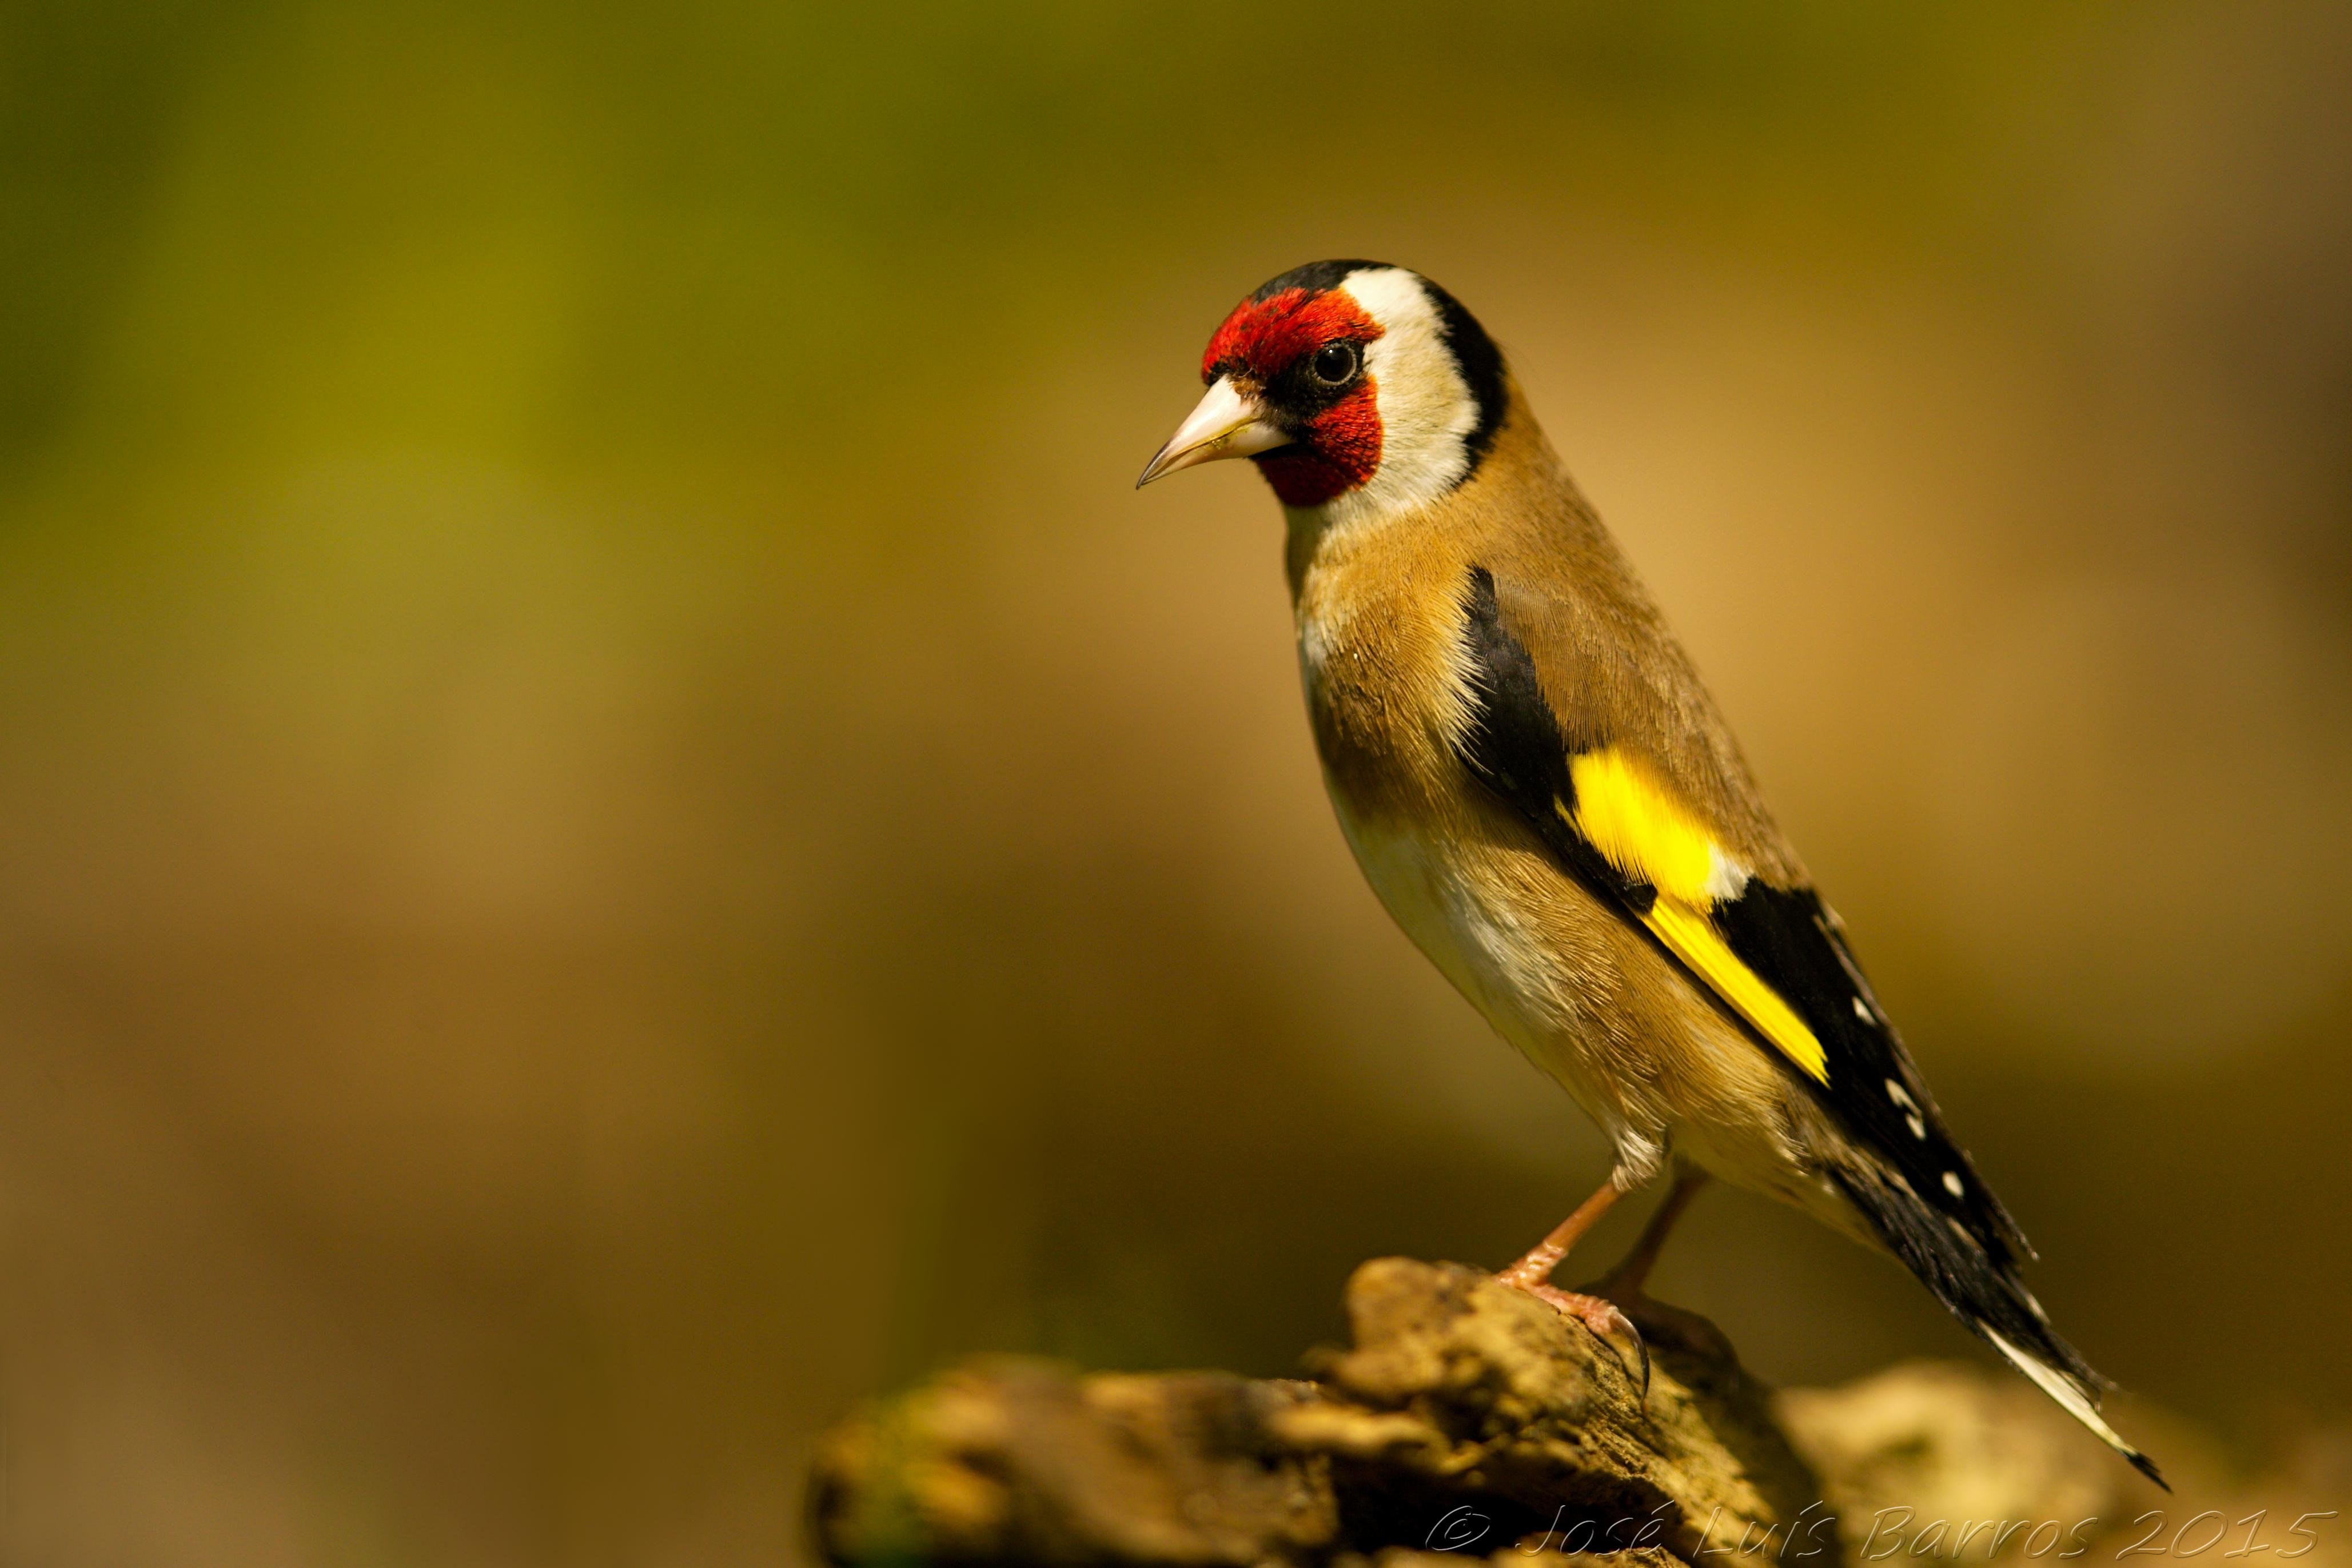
1603, 1317
1660, 1324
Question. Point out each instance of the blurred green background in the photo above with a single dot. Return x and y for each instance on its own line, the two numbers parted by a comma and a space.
615, 828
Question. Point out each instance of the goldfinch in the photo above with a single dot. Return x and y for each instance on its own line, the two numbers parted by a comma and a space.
1542, 793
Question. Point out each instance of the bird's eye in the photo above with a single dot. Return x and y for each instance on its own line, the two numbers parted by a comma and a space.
1334, 362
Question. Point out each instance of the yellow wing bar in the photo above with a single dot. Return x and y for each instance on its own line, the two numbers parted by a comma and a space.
1642, 830
1639, 828
1690, 936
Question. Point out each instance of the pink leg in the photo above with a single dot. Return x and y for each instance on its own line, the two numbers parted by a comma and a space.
1536, 1266
1624, 1284
1532, 1274
1632, 1270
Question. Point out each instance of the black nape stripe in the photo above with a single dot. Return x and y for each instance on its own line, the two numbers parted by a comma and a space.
1481, 363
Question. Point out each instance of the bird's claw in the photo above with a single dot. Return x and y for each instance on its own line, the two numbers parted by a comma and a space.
1607, 1322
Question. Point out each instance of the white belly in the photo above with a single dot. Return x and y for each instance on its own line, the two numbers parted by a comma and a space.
1542, 989
1657, 1070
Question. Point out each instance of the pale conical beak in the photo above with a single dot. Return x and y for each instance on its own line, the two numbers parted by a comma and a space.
1225, 424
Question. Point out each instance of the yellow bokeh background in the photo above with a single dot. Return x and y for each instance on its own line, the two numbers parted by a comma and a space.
617, 828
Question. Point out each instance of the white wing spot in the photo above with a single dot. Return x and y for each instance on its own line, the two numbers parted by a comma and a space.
1727, 879
1861, 1010
1901, 1096
1952, 1184
1918, 1126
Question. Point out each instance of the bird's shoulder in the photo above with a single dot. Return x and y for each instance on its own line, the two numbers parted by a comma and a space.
1544, 585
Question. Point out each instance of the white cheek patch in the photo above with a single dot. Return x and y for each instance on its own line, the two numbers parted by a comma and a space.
1427, 411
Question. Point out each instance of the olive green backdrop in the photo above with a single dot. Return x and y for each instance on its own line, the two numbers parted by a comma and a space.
615, 828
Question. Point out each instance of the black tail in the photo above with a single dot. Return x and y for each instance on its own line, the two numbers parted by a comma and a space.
1976, 1279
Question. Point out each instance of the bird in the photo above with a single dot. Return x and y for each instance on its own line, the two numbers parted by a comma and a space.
1541, 792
